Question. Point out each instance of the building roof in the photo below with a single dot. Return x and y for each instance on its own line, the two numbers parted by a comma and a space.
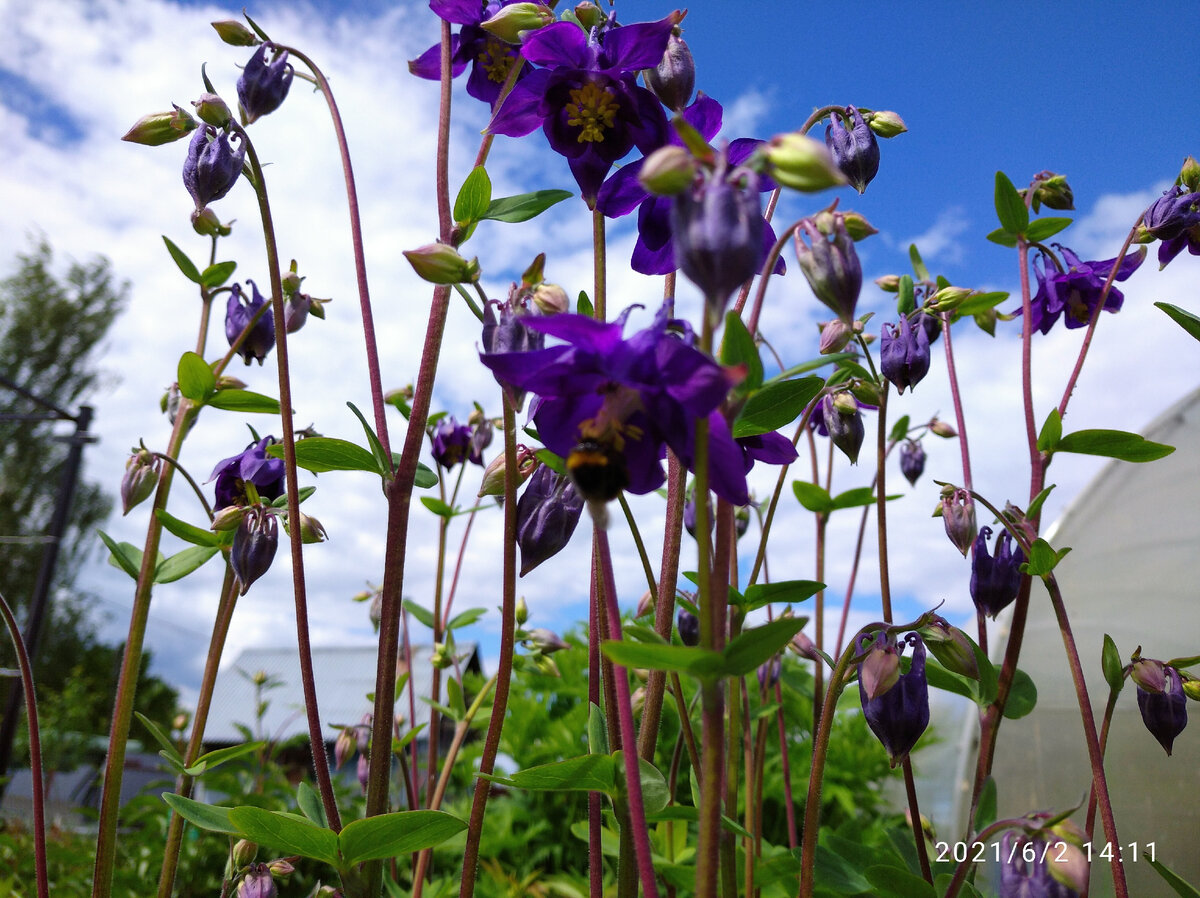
344, 675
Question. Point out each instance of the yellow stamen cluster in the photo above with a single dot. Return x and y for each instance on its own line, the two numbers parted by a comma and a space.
592, 109
496, 57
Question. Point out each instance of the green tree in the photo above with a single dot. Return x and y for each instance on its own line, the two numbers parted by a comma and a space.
52, 328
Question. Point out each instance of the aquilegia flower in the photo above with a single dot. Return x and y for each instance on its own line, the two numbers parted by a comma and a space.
547, 514
238, 313
1075, 293
490, 58
212, 165
995, 578
904, 354
1032, 866
586, 99
854, 149
613, 405
1164, 710
263, 85
452, 443
1174, 218
912, 461
897, 714
254, 545
830, 264
253, 465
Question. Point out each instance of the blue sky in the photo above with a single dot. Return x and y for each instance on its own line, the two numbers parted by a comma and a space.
1096, 91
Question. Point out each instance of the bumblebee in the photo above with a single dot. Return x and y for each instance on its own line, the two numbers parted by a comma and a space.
598, 470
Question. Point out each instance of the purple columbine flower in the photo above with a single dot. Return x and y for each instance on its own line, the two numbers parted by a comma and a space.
654, 251
958, 514
855, 150
263, 85
490, 58
1075, 293
452, 443
508, 334
995, 578
254, 546
904, 354
586, 99
912, 461
250, 466
212, 166
621, 401
1172, 213
547, 514
830, 264
842, 422
1164, 712
238, 312
898, 715
689, 627
1024, 878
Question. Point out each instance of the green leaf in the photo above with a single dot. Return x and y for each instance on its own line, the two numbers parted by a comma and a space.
244, 401
381, 459
1042, 558
425, 478
738, 348
390, 835
979, 302
473, 198
181, 259
832, 871
310, 804
1039, 500
985, 812
287, 833
1182, 317
789, 591
205, 816
588, 773
812, 497
918, 264
906, 299
1110, 663
160, 736
899, 430
466, 618
126, 556
196, 380
524, 206
597, 730
219, 756
777, 404
755, 646
1051, 434
1043, 228
682, 658
583, 305
948, 681
1181, 663
1002, 237
655, 794
1010, 207
424, 615
941, 884
1180, 885
217, 274
182, 563
320, 454
1022, 697
890, 882
437, 506
854, 498
1114, 444
454, 695
186, 531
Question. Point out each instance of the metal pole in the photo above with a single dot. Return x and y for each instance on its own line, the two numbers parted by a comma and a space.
41, 593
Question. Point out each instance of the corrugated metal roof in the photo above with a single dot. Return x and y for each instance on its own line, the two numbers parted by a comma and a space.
344, 675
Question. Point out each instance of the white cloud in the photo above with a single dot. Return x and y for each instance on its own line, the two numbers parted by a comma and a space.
942, 241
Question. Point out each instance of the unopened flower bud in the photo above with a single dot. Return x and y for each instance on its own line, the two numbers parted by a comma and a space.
645, 604
244, 852
1149, 675
311, 530
364, 771
798, 161
835, 335
857, 226
674, 79
511, 22
887, 124
768, 672
141, 477
212, 109
952, 647
947, 299
831, 266
803, 646
689, 627
343, 747
942, 429
160, 128
522, 611
545, 641
958, 514
439, 263
254, 546
912, 461
551, 299
879, 671
668, 170
1165, 713
1068, 866
206, 224
845, 426
545, 665
228, 518
1191, 688
280, 867
589, 14
1051, 190
1189, 174
854, 149
180, 720
442, 657
888, 283
235, 33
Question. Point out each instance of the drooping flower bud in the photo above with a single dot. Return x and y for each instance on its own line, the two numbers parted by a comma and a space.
550, 299
263, 85
674, 79
206, 224
212, 166
522, 611
879, 671
844, 422
506, 333
887, 124
952, 647
233, 32
493, 476
363, 771
717, 227
855, 150
311, 530
243, 852
254, 545
511, 22
668, 170
958, 514
798, 161
1053, 191
440, 263
343, 747
239, 311
160, 128
942, 429
899, 715
904, 354
211, 109
545, 641
1165, 712
1149, 675
835, 336
831, 266
141, 477
547, 514
768, 672
912, 461
996, 578
689, 627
